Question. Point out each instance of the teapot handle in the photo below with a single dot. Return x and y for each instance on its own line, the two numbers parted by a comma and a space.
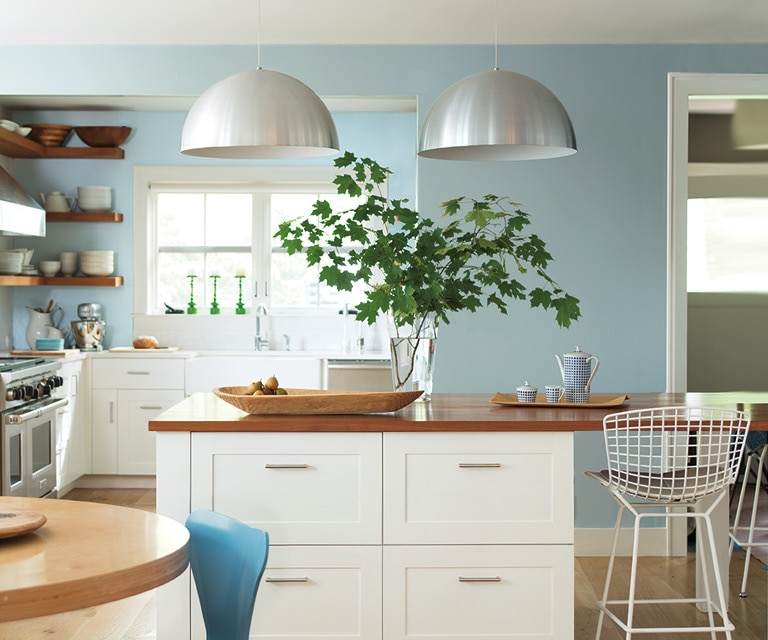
71, 202
594, 371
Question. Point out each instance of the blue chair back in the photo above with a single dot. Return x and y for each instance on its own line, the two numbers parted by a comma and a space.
227, 559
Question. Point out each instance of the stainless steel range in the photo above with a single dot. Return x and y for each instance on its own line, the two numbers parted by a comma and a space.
28, 413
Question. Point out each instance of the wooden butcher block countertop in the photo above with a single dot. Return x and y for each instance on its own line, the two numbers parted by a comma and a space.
445, 412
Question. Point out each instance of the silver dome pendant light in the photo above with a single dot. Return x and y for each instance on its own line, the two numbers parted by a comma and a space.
497, 115
259, 114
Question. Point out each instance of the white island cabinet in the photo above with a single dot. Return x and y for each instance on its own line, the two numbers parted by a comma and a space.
382, 535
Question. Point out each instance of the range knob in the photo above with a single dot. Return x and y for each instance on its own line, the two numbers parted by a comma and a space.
15, 393
30, 392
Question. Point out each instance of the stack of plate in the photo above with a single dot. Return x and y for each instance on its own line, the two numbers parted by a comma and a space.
50, 135
10, 262
94, 198
97, 263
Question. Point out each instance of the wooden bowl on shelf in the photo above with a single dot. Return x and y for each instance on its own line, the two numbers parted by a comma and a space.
103, 136
50, 135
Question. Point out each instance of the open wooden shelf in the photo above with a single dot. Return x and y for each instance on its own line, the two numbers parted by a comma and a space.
83, 216
61, 281
15, 146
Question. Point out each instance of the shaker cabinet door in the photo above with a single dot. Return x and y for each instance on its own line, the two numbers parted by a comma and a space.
494, 592
472, 488
303, 488
135, 442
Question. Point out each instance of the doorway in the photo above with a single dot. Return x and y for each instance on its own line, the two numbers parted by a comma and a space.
683, 87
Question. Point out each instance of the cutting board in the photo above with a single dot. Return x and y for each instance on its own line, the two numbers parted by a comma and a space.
15, 521
60, 353
135, 350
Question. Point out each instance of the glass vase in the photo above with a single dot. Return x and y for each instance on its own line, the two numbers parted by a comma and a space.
412, 349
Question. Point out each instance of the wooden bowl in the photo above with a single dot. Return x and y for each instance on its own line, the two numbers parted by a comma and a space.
103, 136
316, 402
50, 135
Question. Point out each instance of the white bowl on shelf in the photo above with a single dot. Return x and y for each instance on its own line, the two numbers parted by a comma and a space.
49, 268
97, 271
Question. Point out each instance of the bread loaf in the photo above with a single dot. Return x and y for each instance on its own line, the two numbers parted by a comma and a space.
145, 342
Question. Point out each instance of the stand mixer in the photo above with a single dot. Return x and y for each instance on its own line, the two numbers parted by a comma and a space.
89, 330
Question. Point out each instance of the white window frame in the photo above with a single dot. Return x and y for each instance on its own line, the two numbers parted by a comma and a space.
146, 176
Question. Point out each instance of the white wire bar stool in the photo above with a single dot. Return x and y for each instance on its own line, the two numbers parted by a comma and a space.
670, 457
754, 467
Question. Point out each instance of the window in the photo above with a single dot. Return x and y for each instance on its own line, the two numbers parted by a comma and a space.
221, 224
728, 244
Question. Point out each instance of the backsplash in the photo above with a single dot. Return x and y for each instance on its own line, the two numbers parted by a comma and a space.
300, 333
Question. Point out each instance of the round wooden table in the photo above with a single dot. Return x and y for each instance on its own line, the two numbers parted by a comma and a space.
84, 555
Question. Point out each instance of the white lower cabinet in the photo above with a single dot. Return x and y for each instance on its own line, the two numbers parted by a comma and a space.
393, 536
315, 592
73, 437
478, 591
127, 393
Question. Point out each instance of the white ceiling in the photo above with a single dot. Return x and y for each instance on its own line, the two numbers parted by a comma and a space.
211, 22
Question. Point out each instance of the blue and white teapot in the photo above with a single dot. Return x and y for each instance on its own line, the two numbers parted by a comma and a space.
576, 369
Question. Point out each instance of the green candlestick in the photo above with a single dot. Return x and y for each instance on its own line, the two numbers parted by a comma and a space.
240, 307
215, 305
191, 308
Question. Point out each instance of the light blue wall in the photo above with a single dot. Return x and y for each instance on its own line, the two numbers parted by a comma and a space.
602, 211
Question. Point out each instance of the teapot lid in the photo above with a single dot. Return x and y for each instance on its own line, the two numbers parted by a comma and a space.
578, 353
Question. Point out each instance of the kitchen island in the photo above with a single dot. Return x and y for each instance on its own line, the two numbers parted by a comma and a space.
453, 517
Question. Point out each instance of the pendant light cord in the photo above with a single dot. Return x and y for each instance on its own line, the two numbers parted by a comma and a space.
496, 39
258, 34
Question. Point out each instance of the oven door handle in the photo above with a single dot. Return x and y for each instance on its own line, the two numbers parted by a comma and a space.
18, 418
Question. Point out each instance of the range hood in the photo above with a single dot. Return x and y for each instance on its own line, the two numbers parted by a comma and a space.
20, 213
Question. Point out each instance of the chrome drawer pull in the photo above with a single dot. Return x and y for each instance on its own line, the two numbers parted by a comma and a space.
286, 579
270, 465
488, 579
148, 407
479, 465
137, 373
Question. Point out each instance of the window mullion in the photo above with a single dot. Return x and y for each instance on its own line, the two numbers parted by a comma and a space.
262, 247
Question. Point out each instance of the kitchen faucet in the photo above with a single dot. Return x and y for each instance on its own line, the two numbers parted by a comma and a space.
262, 335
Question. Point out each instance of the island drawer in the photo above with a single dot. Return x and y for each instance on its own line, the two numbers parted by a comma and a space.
478, 591
303, 488
473, 488
138, 373
319, 592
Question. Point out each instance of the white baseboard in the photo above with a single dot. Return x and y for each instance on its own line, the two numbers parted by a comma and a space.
114, 482
597, 542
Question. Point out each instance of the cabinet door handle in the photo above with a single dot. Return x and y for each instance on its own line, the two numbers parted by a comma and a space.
479, 465
271, 465
137, 373
305, 579
480, 579
111, 412
145, 407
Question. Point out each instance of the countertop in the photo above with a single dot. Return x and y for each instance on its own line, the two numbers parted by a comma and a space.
445, 412
327, 354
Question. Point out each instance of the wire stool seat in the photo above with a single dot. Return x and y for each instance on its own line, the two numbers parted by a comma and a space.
670, 457
754, 465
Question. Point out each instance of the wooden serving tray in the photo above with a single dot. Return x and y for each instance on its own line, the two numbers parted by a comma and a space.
316, 401
510, 399
16, 521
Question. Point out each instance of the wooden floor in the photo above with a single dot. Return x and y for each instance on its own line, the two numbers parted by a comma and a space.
134, 618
